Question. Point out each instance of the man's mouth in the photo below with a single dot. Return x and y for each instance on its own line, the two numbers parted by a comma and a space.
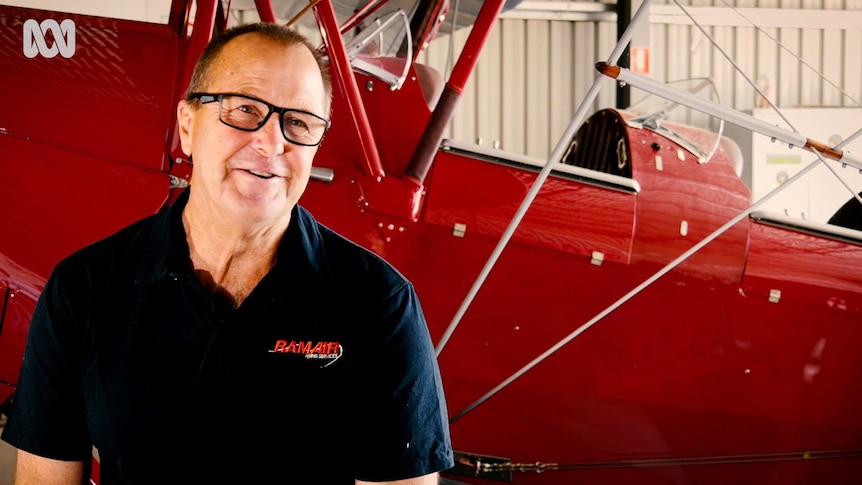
263, 175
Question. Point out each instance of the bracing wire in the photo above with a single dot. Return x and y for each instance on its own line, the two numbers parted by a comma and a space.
734, 64
798, 58
451, 54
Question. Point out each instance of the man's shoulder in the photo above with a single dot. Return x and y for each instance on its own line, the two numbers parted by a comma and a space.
122, 247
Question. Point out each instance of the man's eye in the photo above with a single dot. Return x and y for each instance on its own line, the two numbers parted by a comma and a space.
296, 123
247, 109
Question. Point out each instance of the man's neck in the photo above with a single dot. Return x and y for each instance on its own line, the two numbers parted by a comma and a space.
231, 257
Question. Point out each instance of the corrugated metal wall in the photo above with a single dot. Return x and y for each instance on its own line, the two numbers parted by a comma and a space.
536, 69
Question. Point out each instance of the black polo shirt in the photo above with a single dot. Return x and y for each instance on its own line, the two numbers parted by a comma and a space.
324, 374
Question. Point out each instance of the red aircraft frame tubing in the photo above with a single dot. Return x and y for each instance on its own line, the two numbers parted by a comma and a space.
340, 66
360, 15
179, 22
179, 16
311, 4
425, 29
420, 163
204, 21
265, 10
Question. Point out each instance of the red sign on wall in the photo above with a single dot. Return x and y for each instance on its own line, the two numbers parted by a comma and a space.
640, 60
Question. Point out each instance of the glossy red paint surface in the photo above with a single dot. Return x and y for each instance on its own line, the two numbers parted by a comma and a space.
81, 152
696, 379
109, 100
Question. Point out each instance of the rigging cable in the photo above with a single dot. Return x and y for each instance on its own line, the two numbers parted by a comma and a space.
735, 65
785, 48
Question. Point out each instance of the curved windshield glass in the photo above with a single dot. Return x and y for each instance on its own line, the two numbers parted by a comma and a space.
651, 111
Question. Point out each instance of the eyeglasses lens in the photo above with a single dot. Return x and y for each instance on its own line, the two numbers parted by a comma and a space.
249, 114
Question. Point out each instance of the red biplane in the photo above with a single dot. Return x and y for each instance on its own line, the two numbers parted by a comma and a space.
616, 314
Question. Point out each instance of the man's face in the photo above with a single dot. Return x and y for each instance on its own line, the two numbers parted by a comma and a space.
255, 177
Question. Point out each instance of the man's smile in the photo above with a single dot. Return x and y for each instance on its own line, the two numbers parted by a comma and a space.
259, 174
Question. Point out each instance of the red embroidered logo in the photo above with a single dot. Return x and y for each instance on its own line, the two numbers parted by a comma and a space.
326, 351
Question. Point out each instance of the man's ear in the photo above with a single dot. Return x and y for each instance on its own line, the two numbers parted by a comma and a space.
185, 125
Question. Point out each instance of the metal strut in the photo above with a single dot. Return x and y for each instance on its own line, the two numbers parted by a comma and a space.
555, 156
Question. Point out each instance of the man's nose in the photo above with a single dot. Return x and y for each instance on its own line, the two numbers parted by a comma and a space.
268, 139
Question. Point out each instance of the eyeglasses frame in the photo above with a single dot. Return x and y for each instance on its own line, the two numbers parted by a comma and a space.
207, 98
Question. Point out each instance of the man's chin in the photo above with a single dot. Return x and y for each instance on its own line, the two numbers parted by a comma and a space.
261, 211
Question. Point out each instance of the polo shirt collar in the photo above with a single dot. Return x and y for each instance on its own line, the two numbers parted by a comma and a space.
301, 254
301, 251
166, 252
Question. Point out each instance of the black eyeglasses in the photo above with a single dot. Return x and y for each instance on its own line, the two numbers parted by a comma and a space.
248, 113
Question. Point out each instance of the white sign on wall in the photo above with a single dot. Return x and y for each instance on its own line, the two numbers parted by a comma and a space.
821, 192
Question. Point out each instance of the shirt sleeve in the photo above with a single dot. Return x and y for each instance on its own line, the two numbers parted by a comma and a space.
405, 431
48, 413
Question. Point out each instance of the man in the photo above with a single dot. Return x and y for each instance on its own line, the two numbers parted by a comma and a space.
230, 338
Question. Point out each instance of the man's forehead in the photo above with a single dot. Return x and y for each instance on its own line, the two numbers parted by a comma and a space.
256, 50
251, 47
257, 65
